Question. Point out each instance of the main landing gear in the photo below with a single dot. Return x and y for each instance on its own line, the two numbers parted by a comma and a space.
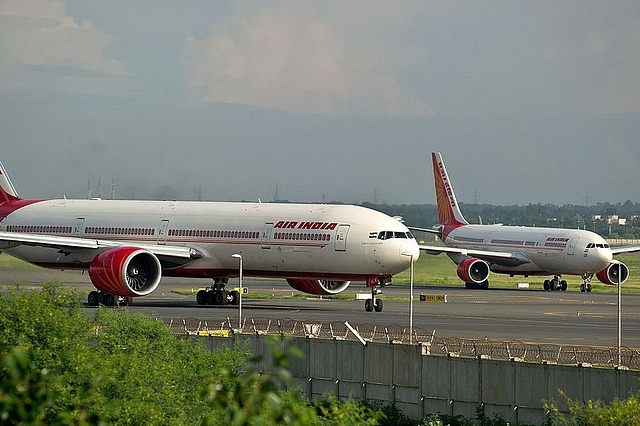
96, 298
555, 284
217, 294
374, 303
586, 285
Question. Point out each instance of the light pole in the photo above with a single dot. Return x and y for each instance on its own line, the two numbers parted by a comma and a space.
239, 257
619, 314
410, 296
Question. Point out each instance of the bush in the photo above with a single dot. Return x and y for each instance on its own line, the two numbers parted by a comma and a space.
596, 413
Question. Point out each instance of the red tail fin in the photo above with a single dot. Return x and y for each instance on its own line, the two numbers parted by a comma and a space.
7, 191
448, 211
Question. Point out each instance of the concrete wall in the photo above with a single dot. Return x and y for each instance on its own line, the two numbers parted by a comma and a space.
421, 384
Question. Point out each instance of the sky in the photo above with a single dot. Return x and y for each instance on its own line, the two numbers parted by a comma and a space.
321, 101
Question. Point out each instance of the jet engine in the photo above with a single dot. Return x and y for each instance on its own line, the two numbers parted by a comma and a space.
473, 270
320, 287
613, 272
125, 271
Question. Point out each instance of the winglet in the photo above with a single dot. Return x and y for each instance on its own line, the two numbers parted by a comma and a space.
448, 210
7, 191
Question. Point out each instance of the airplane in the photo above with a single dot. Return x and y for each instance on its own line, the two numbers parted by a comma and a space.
127, 246
479, 249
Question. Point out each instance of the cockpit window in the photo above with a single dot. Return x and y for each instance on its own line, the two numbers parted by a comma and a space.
590, 245
387, 235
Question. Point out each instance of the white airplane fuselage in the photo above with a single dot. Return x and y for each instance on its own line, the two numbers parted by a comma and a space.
275, 240
550, 250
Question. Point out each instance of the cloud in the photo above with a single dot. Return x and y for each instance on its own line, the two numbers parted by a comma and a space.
39, 36
283, 59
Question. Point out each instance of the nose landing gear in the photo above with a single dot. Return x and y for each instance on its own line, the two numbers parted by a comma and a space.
375, 303
586, 285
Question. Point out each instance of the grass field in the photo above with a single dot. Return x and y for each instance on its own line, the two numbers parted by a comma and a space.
440, 270
8, 262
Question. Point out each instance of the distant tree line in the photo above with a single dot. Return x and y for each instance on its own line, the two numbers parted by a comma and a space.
568, 216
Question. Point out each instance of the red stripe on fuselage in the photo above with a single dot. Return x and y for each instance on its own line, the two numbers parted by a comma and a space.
8, 207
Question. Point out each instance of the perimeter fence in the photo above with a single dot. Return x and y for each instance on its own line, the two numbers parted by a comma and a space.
431, 344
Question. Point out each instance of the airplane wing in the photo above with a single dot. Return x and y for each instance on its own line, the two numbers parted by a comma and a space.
435, 230
499, 257
624, 249
54, 241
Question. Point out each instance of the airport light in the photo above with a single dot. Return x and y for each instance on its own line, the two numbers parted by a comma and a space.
239, 257
410, 297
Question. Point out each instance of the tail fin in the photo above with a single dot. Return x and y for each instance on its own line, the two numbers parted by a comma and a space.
448, 210
7, 191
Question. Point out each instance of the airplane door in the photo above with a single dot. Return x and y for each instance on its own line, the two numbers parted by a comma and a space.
266, 235
77, 230
341, 238
571, 247
162, 231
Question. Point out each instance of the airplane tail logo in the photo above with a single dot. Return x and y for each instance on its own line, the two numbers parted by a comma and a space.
448, 210
7, 191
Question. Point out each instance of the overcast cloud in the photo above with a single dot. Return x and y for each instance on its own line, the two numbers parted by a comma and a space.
529, 102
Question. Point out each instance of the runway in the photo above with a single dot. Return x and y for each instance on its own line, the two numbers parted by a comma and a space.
530, 316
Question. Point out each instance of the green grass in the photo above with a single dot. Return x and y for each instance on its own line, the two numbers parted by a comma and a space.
8, 262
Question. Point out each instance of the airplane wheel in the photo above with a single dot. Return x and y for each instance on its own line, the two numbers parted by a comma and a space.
469, 286
547, 285
218, 298
588, 288
378, 305
109, 300
484, 285
368, 305
563, 285
211, 297
124, 301
201, 297
235, 297
93, 298
582, 289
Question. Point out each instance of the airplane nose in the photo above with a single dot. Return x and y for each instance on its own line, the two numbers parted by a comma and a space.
410, 249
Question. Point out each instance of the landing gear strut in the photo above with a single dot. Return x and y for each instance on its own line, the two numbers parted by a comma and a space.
375, 304
96, 298
555, 284
586, 284
217, 294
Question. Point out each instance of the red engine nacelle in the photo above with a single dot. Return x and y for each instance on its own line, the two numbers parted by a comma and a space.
613, 272
320, 287
473, 270
125, 271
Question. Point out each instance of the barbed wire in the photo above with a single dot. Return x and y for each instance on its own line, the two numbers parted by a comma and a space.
430, 343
